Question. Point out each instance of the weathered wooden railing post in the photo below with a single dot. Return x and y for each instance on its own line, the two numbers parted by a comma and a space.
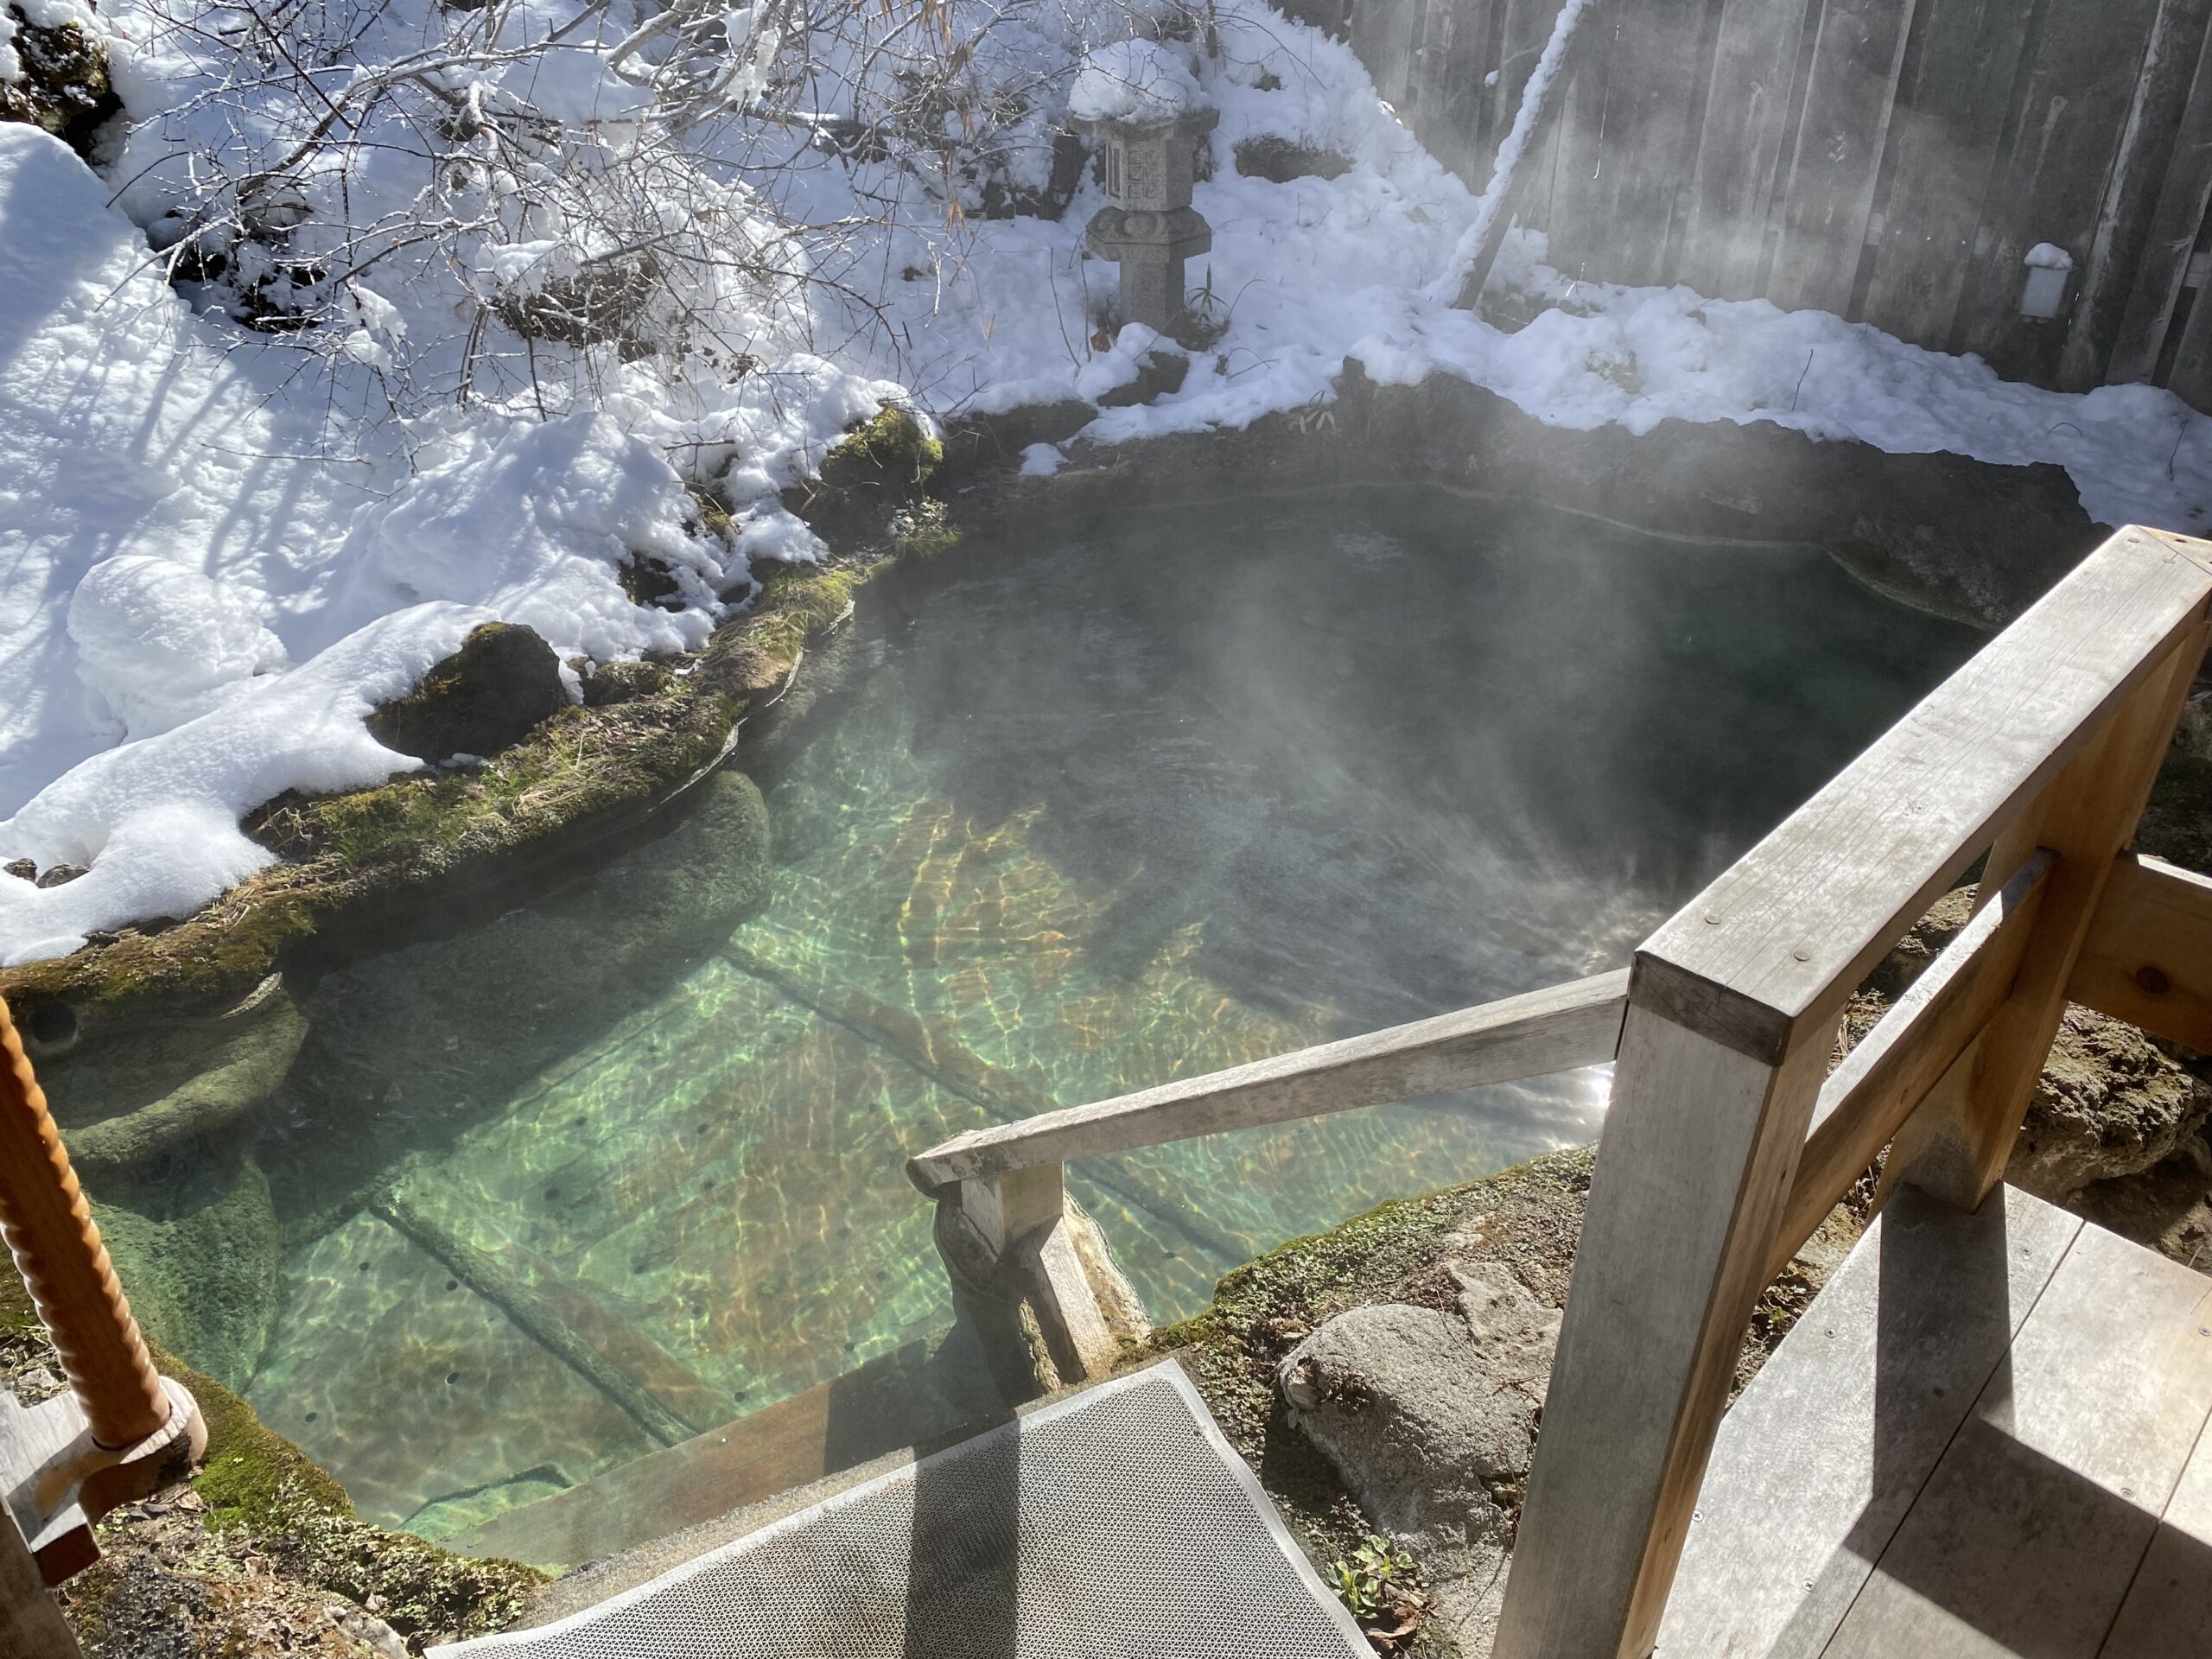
2046, 743
123, 1431
1956, 1145
1010, 1241
1712, 1094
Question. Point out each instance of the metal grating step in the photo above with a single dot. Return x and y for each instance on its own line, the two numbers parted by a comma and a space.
1117, 1524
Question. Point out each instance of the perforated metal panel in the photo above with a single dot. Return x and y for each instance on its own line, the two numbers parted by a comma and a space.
1117, 1524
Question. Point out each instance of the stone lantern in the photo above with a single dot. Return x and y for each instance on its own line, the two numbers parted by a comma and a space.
1149, 228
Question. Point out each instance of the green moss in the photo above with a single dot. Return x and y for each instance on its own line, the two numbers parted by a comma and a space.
924, 531
798, 601
258, 1486
253, 1478
892, 448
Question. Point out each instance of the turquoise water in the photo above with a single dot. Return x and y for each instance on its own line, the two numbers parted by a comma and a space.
1066, 816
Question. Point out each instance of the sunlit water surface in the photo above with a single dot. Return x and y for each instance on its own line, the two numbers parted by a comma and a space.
1077, 817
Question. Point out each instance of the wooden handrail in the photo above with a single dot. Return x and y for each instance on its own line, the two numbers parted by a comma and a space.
1561, 1029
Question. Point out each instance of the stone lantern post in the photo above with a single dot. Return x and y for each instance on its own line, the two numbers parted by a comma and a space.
1149, 228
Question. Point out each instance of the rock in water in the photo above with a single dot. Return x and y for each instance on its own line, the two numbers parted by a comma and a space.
200, 1266
1429, 1419
502, 682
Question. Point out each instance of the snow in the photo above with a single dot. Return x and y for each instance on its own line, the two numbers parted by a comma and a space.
157, 820
201, 599
42, 14
218, 549
1135, 82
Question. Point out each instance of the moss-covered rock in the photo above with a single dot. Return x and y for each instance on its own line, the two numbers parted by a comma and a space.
358, 863
2109, 1103
174, 1086
890, 451
878, 466
64, 86
1527, 1218
200, 1263
1280, 160
483, 699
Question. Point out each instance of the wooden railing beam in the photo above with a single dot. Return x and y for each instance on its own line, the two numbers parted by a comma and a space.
1561, 1029
1730, 1026
1956, 1145
1867, 1098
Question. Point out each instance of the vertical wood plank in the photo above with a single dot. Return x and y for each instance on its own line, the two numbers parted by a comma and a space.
1740, 145
1445, 98
1524, 29
2191, 380
2073, 99
1841, 138
1528, 27
31, 1626
1627, 151
1945, 134
1383, 36
2171, 240
1002, 1208
1698, 1150
1956, 1145
2132, 195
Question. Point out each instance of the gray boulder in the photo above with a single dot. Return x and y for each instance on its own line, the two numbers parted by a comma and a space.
1429, 1419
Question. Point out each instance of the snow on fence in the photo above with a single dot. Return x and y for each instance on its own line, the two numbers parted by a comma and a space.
1894, 162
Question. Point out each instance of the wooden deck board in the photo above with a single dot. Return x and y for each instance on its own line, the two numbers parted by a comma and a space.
2168, 1607
1857, 1507
1811, 1424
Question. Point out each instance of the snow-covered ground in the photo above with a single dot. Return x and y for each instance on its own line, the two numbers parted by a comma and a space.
219, 547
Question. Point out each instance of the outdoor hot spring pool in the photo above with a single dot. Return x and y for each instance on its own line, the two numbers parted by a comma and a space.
1061, 819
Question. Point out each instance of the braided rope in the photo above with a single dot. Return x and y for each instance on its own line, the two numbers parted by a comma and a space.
49, 1230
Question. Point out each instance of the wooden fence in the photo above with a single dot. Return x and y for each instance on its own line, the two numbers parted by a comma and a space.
1890, 161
